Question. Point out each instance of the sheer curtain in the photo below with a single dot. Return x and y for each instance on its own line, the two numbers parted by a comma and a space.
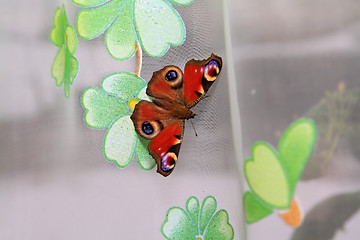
55, 181
282, 61
297, 59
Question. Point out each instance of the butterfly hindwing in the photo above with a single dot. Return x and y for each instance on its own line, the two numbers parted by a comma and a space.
165, 146
149, 119
165, 132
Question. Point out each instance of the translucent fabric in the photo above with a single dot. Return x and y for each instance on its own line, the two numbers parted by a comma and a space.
55, 180
296, 59
276, 154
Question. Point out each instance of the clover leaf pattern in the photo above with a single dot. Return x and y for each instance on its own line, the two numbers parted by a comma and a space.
272, 176
65, 66
110, 107
154, 24
197, 223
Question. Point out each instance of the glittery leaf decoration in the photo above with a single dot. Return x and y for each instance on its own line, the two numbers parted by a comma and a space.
272, 176
101, 109
110, 107
120, 141
123, 85
155, 24
65, 66
255, 209
264, 171
193, 223
182, 2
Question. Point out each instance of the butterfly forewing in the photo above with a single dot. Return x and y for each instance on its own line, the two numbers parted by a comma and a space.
166, 84
198, 77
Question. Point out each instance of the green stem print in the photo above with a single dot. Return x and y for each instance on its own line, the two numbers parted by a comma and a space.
195, 223
272, 176
139, 60
153, 24
110, 107
65, 66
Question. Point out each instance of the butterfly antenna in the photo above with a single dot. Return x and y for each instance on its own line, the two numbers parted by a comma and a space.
192, 124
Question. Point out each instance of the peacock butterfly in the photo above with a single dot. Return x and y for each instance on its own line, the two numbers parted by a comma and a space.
173, 94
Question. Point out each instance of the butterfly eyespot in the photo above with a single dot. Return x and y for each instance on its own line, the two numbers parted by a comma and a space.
173, 76
149, 129
168, 162
212, 70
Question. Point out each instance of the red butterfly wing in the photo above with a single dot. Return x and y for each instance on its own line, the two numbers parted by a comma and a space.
198, 77
166, 132
166, 84
165, 146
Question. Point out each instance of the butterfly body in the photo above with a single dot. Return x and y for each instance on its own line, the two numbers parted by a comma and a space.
162, 121
175, 109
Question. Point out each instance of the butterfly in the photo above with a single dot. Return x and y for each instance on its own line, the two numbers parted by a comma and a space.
173, 93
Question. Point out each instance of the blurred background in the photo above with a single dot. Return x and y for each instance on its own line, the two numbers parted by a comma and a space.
291, 59
302, 58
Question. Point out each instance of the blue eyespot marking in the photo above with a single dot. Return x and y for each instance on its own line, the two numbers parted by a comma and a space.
171, 75
147, 128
